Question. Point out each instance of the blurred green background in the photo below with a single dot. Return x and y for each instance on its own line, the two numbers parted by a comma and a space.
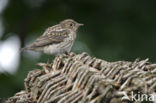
114, 30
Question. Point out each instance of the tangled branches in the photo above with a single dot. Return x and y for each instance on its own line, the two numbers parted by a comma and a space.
84, 79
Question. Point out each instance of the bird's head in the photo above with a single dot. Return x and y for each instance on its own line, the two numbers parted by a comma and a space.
70, 24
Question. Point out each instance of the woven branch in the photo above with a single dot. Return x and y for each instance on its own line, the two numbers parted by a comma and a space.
84, 79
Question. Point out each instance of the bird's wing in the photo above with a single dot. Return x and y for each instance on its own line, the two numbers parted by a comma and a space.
52, 28
52, 37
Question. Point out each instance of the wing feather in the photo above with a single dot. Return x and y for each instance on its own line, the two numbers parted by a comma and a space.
52, 37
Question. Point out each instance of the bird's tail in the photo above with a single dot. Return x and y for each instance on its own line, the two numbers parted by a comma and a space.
26, 48
23, 49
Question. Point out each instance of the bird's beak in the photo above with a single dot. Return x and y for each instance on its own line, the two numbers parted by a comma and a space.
80, 24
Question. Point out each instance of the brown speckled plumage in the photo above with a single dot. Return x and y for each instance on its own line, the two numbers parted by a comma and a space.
57, 39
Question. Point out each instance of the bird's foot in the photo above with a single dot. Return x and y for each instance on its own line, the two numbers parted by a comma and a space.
67, 53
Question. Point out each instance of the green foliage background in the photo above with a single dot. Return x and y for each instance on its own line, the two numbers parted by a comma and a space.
114, 30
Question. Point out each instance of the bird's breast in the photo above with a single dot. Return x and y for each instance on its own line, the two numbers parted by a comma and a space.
72, 36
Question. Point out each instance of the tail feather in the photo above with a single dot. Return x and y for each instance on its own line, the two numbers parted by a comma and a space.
23, 49
26, 48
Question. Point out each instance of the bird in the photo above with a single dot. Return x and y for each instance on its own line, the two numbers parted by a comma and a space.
57, 39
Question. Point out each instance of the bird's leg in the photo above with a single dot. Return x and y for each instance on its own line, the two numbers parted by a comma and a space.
66, 53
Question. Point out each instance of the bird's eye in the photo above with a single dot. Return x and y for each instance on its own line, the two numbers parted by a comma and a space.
71, 24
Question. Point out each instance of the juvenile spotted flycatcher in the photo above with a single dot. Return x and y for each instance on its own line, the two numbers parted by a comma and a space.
57, 39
